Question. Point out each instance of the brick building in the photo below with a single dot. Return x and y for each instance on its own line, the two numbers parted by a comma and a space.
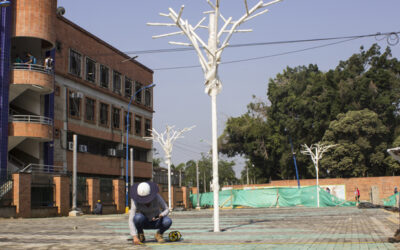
84, 91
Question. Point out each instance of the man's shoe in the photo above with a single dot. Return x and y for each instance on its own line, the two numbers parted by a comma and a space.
141, 237
159, 238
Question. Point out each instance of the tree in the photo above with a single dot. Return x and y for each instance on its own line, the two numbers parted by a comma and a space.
302, 103
361, 137
225, 172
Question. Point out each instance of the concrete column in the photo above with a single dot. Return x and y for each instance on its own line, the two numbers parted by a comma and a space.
62, 194
185, 197
22, 194
119, 195
93, 191
173, 197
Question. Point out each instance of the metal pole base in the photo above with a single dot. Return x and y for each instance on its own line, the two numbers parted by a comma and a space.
75, 213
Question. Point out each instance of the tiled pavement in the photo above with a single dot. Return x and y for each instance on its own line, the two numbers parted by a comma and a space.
269, 228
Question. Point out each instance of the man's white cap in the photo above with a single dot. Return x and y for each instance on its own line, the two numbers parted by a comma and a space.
143, 189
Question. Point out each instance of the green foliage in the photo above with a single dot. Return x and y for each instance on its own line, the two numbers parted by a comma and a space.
360, 138
225, 172
306, 105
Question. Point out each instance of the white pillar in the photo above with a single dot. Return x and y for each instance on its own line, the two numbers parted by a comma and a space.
198, 187
215, 159
74, 170
169, 182
132, 170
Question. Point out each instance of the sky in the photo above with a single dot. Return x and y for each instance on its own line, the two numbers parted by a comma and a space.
179, 98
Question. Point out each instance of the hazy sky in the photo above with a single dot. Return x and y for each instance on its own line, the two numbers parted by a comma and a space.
179, 96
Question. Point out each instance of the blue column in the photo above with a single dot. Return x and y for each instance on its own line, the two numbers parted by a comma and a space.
5, 46
49, 112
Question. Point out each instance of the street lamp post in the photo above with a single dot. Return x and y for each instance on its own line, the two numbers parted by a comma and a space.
127, 147
210, 57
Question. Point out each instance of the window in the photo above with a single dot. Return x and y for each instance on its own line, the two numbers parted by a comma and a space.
104, 76
57, 90
138, 125
117, 82
128, 87
90, 70
147, 127
147, 98
74, 106
138, 96
90, 107
129, 122
58, 46
116, 118
75, 63
104, 114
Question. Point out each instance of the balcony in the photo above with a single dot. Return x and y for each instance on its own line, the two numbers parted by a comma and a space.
35, 127
30, 76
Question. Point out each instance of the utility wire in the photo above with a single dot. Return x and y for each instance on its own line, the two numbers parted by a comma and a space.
186, 149
386, 34
191, 146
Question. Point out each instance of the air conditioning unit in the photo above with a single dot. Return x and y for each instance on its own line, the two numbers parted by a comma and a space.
112, 152
83, 148
70, 145
76, 95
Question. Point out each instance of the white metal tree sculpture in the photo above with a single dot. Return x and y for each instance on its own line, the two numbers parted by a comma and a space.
166, 140
210, 56
395, 153
319, 149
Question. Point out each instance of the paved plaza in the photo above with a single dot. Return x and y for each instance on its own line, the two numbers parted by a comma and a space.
266, 228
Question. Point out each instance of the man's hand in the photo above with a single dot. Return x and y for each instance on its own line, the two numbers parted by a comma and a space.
157, 217
136, 240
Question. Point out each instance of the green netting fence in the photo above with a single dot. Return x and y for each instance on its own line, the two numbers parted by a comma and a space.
271, 197
391, 200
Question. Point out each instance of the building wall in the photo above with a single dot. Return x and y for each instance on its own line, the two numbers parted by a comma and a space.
35, 18
71, 37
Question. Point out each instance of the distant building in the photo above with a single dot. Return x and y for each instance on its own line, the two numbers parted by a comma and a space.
83, 88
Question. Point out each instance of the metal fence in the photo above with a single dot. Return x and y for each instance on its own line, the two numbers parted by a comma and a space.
44, 169
31, 119
33, 67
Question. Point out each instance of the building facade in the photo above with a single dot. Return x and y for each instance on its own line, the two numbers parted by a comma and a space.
58, 80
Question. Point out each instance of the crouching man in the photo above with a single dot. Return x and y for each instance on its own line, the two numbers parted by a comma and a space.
148, 211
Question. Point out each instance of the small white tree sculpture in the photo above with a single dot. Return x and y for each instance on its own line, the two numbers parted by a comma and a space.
166, 140
319, 149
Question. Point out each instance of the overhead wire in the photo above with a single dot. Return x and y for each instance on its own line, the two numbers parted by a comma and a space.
385, 34
260, 57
